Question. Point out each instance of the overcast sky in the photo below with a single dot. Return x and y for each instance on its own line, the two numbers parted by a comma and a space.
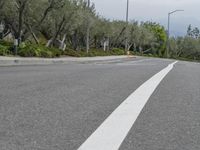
153, 10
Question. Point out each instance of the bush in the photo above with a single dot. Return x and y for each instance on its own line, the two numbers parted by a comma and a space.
117, 51
73, 53
46, 54
33, 50
55, 52
5, 43
29, 51
93, 52
4, 50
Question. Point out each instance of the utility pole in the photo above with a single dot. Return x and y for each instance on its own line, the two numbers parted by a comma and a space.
127, 11
168, 31
168, 34
127, 18
88, 28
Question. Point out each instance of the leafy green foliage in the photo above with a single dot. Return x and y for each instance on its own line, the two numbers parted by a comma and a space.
5, 43
185, 47
33, 50
93, 52
160, 36
5, 48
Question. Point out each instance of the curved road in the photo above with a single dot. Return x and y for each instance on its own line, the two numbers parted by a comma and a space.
58, 107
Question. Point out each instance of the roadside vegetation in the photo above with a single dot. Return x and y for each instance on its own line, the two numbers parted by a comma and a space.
187, 47
52, 28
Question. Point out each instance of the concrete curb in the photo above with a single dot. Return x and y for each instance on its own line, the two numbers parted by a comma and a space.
17, 61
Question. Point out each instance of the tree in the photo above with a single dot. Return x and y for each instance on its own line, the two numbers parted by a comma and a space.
160, 36
196, 33
75, 24
193, 33
189, 31
134, 35
2, 3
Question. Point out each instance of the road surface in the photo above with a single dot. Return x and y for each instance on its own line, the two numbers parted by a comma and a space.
60, 107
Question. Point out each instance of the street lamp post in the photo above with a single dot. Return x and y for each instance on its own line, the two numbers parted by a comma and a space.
168, 31
127, 15
127, 11
88, 29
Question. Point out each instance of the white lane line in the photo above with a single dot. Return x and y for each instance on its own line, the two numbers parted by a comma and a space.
119, 62
113, 131
133, 62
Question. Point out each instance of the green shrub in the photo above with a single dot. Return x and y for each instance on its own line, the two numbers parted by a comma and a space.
117, 51
4, 50
33, 50
5, 43
54, 52
73, 53
93, 52
46, 54
29, 51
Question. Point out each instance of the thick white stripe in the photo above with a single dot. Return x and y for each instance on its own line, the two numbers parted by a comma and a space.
113, 131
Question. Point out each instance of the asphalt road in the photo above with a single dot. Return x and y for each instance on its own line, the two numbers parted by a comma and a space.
57, 107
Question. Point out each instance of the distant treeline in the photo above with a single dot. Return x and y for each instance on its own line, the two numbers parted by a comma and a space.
74, 24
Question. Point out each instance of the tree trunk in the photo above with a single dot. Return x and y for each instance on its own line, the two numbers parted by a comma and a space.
49, 43
75, 40
21, 8
104, 46
33, 34
20, 26
52, 41
116, 40
62, 45
135, 47
129, 46
108, 46
95, 42
140, 49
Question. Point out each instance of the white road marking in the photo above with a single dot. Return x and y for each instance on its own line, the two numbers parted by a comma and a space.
140, 62
113, 131
133, 62
119, 62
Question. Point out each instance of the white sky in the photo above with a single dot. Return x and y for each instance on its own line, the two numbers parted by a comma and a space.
153, 10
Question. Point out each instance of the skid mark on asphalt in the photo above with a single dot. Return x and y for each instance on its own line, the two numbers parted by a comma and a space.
113, 131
